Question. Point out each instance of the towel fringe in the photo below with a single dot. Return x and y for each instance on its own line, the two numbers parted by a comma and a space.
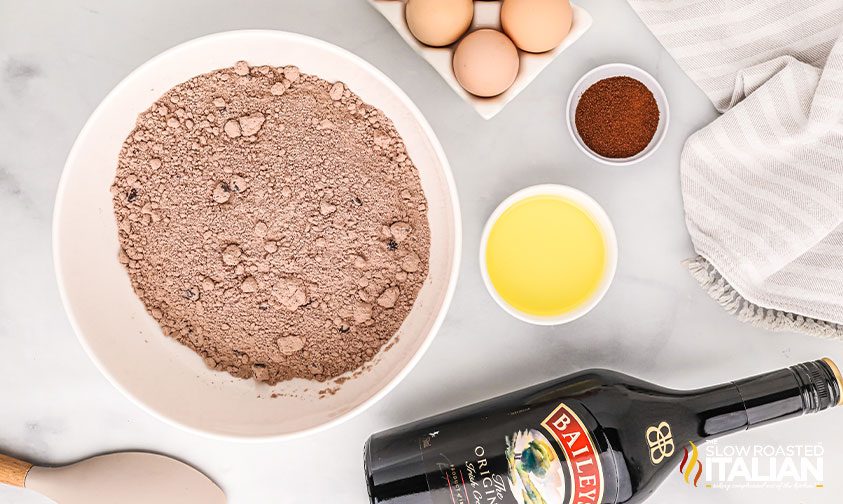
766, 318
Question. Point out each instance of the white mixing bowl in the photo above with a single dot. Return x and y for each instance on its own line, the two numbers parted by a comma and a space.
127, 345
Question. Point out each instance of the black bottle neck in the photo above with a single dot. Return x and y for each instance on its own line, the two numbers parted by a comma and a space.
804, 388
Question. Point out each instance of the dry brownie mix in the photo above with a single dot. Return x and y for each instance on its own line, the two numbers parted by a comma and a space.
272, 222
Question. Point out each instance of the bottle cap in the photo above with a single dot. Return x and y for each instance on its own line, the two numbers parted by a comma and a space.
819, 385
836, 371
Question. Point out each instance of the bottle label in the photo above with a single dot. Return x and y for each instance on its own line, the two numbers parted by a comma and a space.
529, 456
580, 454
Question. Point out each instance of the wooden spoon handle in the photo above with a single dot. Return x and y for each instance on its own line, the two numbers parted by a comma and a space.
13, 471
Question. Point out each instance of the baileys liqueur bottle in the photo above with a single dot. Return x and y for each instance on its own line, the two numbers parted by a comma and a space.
596, 437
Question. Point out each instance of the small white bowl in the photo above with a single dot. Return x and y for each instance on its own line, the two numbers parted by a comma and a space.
607, 230
161, 375
618, 70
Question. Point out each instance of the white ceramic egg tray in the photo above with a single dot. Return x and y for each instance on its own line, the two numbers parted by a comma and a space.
486, 15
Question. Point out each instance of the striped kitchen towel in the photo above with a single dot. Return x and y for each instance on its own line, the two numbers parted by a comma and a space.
763, 184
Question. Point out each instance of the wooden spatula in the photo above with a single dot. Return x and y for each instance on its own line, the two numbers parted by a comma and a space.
125, 478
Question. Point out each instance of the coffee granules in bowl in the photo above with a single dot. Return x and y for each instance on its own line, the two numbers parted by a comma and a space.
617, 117
272, 222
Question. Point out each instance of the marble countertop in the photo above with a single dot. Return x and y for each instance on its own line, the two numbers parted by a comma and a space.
59, 58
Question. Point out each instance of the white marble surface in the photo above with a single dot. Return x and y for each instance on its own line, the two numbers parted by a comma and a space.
59, 58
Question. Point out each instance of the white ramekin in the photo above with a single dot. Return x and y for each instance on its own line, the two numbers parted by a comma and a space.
607, 230
618, 70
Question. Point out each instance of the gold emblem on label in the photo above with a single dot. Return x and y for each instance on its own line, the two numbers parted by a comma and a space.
660, 441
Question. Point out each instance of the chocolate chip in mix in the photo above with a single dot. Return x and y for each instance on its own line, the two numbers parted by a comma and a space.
272, 222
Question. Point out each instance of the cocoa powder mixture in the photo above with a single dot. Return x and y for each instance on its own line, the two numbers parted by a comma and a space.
272, 222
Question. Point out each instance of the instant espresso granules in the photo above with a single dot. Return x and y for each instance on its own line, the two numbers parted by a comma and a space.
617, 117
272, 222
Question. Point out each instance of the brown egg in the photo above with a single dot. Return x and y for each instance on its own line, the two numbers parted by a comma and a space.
536, 25
486, 62
438, 22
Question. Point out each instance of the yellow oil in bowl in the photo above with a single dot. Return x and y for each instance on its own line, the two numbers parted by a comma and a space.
546, 256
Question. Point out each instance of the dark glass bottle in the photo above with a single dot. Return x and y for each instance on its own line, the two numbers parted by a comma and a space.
596, 437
